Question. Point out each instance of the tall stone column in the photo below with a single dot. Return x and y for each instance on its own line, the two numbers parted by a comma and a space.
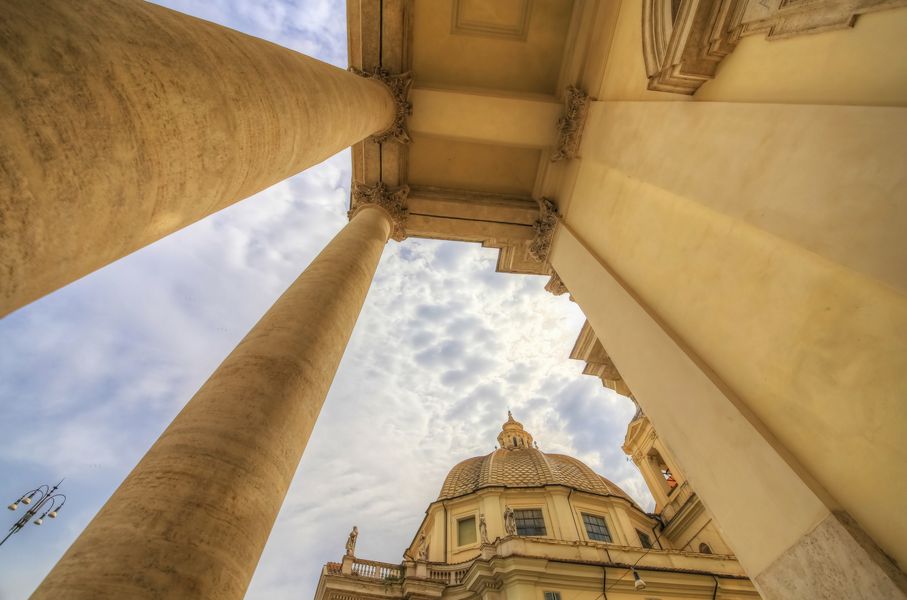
122, 121
192, 518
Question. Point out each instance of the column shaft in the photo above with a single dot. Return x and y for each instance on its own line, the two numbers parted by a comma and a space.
122, 121
192, 518
790, 540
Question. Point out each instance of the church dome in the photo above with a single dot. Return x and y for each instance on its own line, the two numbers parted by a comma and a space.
519, 464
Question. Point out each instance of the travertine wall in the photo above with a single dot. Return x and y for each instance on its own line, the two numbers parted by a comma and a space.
762, 247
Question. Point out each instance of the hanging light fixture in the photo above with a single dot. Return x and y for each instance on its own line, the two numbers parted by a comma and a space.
47, 498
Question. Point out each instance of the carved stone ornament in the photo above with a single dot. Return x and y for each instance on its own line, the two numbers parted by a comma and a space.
544, 230
683, 41
556, 286
509, 521
393, 202
399, 88
570, 126
351, 542
423, 547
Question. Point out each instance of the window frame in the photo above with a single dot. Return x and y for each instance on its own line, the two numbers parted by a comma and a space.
465, 517
541, 512
604, 521
642, 534
549, 595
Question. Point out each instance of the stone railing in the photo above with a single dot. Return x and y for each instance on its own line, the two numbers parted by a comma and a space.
678, 498
359, 567
376, 570
449, 574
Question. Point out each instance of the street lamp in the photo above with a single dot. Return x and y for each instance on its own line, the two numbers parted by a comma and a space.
43, 497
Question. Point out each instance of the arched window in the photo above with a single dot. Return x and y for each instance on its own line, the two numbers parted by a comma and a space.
704, 548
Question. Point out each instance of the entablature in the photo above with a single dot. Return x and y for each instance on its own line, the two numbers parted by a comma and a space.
483, 129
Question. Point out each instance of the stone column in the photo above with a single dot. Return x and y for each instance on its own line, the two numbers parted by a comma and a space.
122, 121
791, 538
192, 518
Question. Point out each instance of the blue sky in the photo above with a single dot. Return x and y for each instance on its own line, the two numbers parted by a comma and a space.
91, 375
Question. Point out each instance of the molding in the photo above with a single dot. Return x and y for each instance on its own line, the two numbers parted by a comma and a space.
570, 126
544, 230
398, 86
392, 202
684, 43
588, 348
460, 24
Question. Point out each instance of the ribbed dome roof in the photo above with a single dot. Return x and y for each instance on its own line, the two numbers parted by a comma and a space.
520, 466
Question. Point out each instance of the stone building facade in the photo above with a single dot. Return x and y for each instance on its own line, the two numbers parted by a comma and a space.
522, 524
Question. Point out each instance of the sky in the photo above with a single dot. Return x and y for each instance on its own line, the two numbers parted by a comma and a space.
91, 374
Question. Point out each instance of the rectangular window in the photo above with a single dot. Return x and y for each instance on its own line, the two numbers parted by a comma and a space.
466, 531
596, 528
529, 522
552, 596
644, 539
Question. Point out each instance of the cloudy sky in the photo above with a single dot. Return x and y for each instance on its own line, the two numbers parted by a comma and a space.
91, 375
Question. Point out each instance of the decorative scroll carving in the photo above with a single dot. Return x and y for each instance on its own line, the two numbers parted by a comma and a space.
684, 41
393, 202
570, 126
399, 88
556, 286
544, 230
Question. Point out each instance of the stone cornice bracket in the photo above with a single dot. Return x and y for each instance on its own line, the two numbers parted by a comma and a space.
556, 286
570, 126
544, 230
392, 202
399, 86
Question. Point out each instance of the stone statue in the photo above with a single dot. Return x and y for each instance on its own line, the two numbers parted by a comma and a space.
483, 529
351, 542
509, 521
423, 547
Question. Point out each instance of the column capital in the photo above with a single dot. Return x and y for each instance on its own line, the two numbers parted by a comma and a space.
392, 202
570, 126
398, 86
544, 230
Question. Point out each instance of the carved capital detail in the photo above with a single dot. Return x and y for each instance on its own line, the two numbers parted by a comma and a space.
392, 202
544, 230
398, 85
570, 126
556, 286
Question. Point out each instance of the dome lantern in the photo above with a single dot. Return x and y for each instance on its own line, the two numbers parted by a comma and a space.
513, 436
